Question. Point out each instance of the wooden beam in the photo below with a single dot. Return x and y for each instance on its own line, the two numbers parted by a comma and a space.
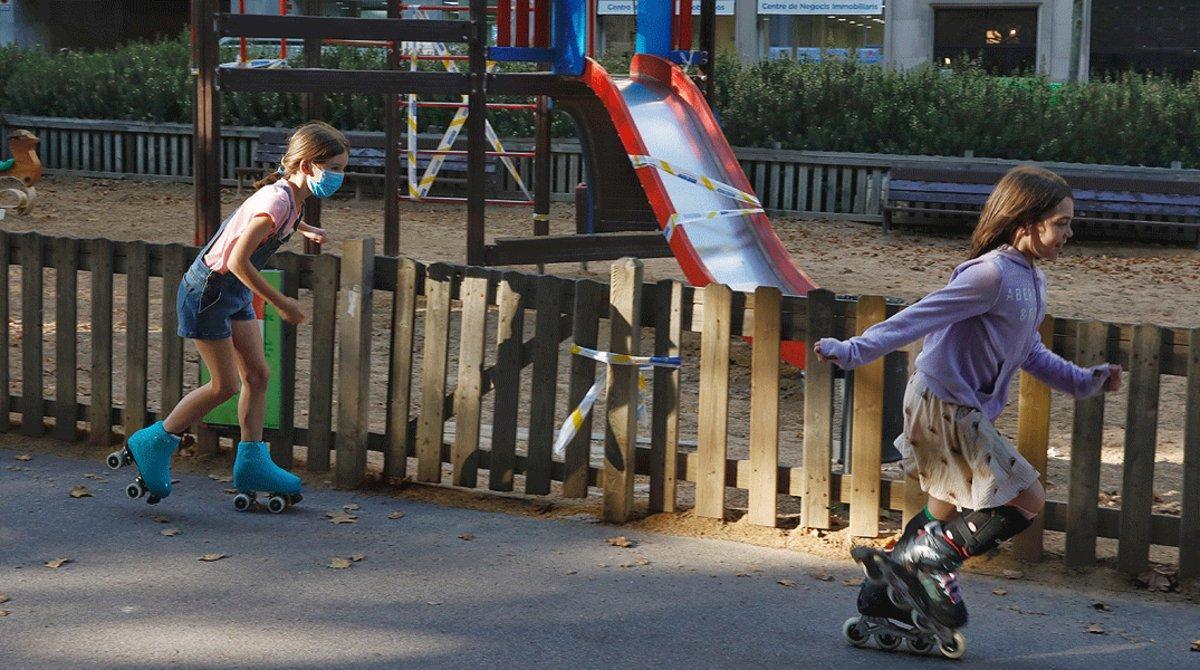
574, 248
342, 28
305, 80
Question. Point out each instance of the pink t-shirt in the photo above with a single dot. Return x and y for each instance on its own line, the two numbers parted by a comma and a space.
275, 201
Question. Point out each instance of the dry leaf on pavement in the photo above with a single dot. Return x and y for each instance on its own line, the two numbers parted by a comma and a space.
57, 563
1195, 645
24, 457
466, 536
1096, 629
1101, 607
1013, 574
857, 581
787, 583
999, 592
357, 557
209, 558
220, 478
161, 519
350, 507
4, 613
622, 542
3, 598
342, 518
80, 491
339, 563
169, 532
396, 515
821, 576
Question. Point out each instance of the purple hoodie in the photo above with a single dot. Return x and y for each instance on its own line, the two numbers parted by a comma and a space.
978, 331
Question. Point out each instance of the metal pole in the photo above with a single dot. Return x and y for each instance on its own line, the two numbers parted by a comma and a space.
206, 124
708, 44
541, 170
391, 169
313, 109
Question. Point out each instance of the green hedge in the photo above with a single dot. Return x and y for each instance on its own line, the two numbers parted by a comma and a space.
827, 106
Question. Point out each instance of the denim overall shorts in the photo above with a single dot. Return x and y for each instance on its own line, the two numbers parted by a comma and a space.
207, 301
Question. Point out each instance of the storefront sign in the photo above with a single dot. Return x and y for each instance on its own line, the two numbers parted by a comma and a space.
626, 7
817, 7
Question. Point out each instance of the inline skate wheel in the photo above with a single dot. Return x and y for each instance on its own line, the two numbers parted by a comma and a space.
241, 502
853, 631
955, 648
115, 461
276, 504
920, 645
888, 641
135, 490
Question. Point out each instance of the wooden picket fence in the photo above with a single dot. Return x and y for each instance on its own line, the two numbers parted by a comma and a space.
429, 383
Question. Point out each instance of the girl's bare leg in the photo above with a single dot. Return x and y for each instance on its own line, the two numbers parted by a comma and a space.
1030, 501
941, 509
254, 373
220, 358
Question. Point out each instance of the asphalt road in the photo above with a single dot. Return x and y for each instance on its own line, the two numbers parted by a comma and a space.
447, 587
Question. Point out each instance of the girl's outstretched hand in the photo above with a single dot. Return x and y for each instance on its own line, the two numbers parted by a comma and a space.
1113, 383
316, 235
820, 355
290, 312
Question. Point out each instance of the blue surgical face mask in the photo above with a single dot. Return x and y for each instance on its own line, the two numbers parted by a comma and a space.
327, 184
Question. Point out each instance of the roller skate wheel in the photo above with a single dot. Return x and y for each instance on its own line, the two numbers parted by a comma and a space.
242, 502
115, 460
853, 631
888, 641
276, 504
920, 645
295, 498
955, 648
135, 490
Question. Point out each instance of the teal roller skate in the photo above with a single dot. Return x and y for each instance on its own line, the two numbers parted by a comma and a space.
150, 449
254, 472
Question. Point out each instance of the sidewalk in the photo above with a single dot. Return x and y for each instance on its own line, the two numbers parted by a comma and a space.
447, 587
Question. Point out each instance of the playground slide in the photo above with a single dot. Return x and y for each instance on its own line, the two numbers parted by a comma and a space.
660, 114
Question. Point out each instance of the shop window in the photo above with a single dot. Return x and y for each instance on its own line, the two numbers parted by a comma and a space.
1003, 41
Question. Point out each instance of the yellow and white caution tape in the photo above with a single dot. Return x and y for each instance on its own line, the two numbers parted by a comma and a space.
677, 219
699, 180
575, 419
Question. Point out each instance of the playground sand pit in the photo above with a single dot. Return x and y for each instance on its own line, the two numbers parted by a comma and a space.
1118, 282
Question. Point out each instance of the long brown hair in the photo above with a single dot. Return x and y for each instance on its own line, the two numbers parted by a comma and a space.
1022, 197
315, 141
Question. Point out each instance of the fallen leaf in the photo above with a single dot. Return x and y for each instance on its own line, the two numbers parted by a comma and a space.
396, 515
569, 572
80, 491
1195, 645
466, 536
229, 492
1096, 629
821, 576
338, 563
3, 598
857, 581
1101, 607
4, 613
342, 518
161, 519
622, 542
999, 592
433, 602
350, 507
24, 457
209, 558
57, 563
787, 583
96, 478
357, 557
1013, 574
220, 478
169, 532
642, 561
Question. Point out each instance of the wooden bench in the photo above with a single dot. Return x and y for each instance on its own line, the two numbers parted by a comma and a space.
1105, 206
366, 162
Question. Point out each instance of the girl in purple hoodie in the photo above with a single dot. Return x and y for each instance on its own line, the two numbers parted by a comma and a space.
979, 330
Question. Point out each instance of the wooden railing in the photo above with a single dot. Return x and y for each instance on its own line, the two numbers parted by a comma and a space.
488, 350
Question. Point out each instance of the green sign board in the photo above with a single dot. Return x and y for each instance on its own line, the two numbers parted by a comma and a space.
226, 414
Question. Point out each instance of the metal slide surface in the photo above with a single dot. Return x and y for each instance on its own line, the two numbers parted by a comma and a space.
659, 112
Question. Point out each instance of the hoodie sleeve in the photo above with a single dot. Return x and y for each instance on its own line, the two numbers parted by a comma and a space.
1063, 375
971, 292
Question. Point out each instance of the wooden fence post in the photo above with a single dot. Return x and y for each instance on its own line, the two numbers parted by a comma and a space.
5, 308
32, 402
664, 431
712, 446
66, 329
137, 334
354, 362
544, 392
764, 407
325, 271
100, 412
867, 439
1033, 440
282, 445
620, 435
431, 425
1189, 519
589, 301
817, 487
1141, 433
174, 263
1087, 438
510, 333
468, 393
404, 307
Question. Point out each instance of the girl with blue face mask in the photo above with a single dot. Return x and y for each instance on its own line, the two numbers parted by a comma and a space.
214, 305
